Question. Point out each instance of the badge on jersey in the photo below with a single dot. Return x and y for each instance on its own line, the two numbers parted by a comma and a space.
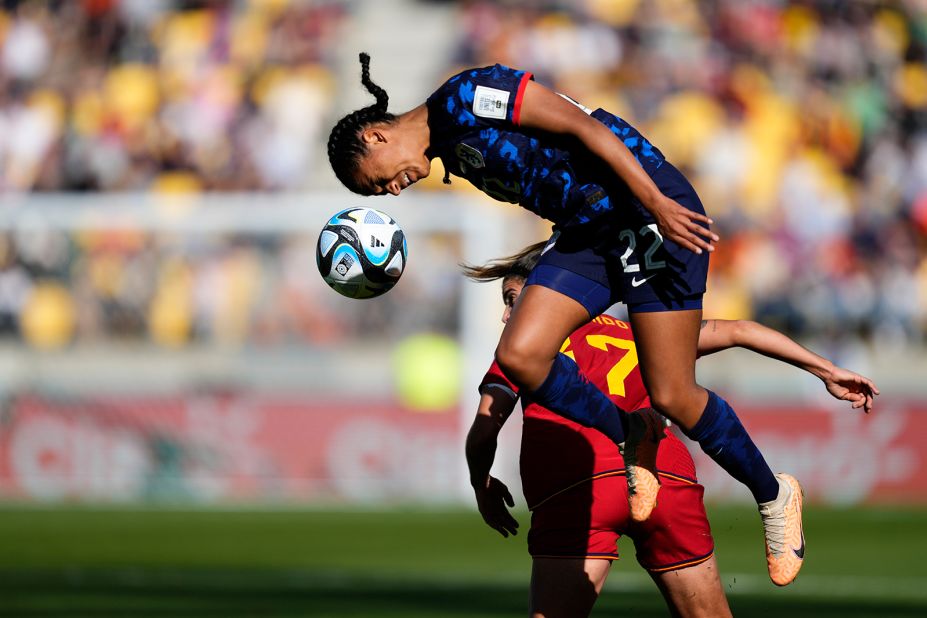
490, 102
469, 157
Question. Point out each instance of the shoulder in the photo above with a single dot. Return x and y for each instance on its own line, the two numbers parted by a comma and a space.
496, 74
489, 92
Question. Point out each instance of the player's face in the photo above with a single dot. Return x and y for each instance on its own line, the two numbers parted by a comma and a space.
392, 163
511, 290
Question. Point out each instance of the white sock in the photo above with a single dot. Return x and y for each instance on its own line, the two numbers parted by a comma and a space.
781, 497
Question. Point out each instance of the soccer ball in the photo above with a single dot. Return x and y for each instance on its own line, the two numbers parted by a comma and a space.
361, 252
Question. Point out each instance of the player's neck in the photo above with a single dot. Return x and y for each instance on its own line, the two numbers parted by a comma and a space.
415, 123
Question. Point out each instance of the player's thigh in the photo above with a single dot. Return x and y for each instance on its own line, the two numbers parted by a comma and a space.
545, 316
667, 345
694, 592
540, 322
571, 283
566, 587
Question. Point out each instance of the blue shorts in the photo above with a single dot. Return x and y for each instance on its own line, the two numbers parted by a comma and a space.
621, 257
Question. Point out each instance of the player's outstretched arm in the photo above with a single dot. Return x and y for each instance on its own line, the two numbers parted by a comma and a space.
492, 496
717, 335
544, 109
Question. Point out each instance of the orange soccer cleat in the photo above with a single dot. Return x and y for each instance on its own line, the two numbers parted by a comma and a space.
645, 430
785, 539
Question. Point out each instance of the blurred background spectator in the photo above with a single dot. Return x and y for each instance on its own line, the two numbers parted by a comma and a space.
802, 124
108, 95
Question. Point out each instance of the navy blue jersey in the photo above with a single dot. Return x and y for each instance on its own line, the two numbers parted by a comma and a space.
474, 122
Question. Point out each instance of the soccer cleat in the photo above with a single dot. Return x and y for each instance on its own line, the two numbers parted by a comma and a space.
645, 430
785, 539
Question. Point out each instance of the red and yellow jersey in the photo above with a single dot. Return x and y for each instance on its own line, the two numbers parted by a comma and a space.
557, 453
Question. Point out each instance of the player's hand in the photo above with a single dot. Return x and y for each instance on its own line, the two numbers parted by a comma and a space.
491, 501
848, 386
681, 225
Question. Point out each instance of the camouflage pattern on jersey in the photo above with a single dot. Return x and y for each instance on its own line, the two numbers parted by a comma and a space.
474, 120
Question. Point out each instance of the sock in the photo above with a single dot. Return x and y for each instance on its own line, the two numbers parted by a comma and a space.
569, 393
725, 440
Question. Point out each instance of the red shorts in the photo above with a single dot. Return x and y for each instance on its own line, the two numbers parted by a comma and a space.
587, 520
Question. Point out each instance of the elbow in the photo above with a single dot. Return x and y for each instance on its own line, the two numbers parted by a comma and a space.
484, 431
740, 332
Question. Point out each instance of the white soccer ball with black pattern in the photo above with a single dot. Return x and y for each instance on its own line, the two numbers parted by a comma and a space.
361, 252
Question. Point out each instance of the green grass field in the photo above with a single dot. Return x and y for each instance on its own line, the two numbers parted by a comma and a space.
412, 564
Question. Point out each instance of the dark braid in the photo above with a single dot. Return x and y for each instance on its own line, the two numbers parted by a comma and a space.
345, 147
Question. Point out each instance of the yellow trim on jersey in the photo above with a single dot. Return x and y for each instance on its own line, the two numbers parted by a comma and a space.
681, 565
614, 556
603, 475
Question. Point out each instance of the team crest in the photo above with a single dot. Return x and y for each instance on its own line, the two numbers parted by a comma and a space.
469, 156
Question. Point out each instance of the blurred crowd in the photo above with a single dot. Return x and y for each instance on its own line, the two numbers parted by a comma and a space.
803, 125
232, 290
109, 95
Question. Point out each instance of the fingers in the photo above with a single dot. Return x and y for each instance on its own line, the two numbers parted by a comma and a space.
692, 242
511, 525
492, 503
864, 391
503, 531
696, 216
694, 237
691, 246
700, 230
870, 385
504, 524
860, 400
865, 382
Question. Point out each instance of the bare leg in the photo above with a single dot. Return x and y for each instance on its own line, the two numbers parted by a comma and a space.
666, 347
540, 322
529, 354
694, 592
667, 343
566, 587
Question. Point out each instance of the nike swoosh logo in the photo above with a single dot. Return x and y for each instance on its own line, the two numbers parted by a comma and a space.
635, 283
800, 552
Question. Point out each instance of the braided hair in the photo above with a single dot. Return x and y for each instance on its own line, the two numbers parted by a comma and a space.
345, 146
518, 265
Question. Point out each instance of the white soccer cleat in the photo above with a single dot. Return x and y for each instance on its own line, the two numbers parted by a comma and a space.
645, 430
785, 539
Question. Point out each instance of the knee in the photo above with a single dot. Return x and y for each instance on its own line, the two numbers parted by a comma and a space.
674, 401
521, 362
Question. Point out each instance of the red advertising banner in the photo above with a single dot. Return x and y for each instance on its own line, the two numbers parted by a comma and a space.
227, 447
230, 447
841, 456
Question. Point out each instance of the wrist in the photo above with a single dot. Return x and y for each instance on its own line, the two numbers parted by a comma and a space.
479, 482
650, 199
823, 370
